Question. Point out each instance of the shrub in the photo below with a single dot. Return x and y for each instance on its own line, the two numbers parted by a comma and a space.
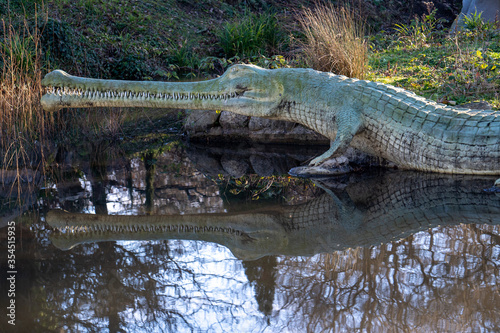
420, 30
477, 28
251, 35
128, 67
334, 40
474, 21
57, 42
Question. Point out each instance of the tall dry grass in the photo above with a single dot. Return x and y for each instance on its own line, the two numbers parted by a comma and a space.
334, 39
24, 125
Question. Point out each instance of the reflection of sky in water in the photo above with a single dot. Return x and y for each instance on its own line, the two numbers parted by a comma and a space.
442, 279
422, 292
126, 198
213, 293
424, 283
120, 201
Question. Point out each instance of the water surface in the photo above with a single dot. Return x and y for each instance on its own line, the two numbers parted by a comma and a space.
197, 239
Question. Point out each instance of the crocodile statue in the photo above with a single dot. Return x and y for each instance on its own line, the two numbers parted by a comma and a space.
370, 210
379, 119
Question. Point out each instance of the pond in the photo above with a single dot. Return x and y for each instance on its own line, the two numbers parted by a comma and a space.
205, 239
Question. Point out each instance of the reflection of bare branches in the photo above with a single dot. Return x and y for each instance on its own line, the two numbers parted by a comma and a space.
442, 279
152, 279
436, 280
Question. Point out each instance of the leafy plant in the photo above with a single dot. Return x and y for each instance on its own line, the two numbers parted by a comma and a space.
456, 69
474, 21
251, 35
254, 187
211, 65
128, 67
273, 62
57, 41
182, 58
18, 50
472, 73
420, 30
476, 28
217, 65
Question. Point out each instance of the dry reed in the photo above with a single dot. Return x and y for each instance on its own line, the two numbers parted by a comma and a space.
334, 40
23, 122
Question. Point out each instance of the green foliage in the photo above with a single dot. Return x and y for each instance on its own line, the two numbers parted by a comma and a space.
273, 62
219, 65
182, 55
420, 30
182, 60
57, 41
456, 69
469, 72
128, 67
26, 7
251, 35
254, 4
474, 21
476, 28
18, 50
254, 187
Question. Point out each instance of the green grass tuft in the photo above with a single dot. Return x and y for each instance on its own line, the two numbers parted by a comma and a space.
251, 35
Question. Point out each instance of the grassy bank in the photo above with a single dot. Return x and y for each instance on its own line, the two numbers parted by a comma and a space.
402, 43
452, 68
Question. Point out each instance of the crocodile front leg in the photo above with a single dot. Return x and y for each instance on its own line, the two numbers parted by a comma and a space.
347, 123
337, 144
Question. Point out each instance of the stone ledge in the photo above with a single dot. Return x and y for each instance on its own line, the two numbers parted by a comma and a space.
211, 126
226, 127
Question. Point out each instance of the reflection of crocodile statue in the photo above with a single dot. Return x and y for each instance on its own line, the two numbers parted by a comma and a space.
367, 213
379, 119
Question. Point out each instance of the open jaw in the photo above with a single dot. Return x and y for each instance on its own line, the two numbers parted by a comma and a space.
63, 90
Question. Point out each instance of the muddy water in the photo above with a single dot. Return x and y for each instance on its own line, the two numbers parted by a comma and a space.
203, 239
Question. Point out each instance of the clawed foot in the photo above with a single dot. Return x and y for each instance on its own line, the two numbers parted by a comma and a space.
317, 161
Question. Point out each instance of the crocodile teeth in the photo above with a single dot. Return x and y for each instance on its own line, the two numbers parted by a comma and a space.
84, 93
